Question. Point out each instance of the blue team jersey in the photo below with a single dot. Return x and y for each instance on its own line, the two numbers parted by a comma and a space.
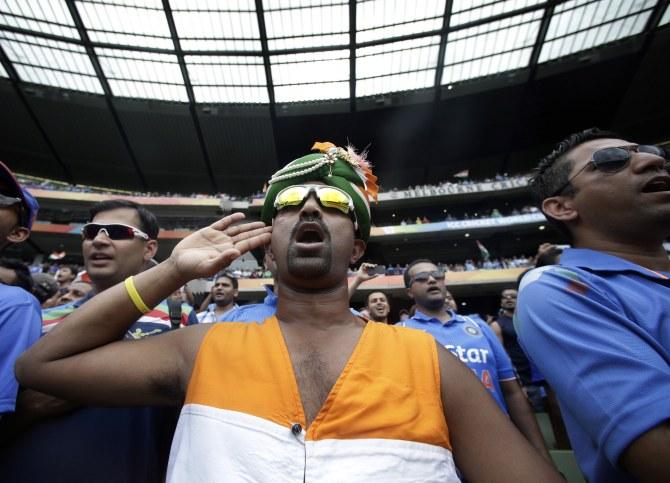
20, 326
258, 312
598, 327
253, 312
475, 344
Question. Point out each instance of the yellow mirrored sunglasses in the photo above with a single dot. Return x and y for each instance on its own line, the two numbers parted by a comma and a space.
328, 197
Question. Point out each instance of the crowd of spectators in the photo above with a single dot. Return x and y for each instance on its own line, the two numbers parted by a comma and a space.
481, 214
52, 185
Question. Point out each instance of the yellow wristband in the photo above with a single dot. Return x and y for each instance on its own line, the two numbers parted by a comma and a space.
135, 296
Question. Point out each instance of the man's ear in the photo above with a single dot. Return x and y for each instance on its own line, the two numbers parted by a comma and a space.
18, 234
561, 208
357, 251
409, 293
150, 249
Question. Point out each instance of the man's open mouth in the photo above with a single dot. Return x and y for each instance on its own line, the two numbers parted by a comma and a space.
660, 183
310, 233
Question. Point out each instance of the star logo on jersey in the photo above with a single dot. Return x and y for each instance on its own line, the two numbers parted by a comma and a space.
472, 330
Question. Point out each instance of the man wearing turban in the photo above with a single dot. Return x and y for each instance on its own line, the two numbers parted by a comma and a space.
312, 393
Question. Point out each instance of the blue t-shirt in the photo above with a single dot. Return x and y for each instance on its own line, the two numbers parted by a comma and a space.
475, 344
20, 326
598, 327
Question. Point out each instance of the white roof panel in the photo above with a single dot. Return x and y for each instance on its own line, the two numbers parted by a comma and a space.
50, 62
466, 11
311, 76
209, 25
404, 65
379, 19
143, 25
490, 48
294, 24
47, 16
143, 74
666, 17
228, 79
580, 25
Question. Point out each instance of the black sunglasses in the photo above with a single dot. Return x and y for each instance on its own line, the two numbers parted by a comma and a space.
115, 231
613, 160
423, 277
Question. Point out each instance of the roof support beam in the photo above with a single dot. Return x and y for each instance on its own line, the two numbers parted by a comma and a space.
15, 80
83, 33
352, 55
539, 41
191, 95
442, 51
260, 16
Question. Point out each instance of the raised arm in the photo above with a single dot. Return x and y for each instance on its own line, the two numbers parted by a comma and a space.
83, 358
362, 275
486, 445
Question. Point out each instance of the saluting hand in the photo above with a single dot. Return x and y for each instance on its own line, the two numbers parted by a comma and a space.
214, 247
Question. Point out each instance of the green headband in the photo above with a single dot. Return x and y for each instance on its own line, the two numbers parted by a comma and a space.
339, 167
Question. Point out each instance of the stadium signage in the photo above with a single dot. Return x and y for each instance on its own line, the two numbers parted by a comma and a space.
454, 189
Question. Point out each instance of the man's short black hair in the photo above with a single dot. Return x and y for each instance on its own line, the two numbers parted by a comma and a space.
553, 171
405, 275
20, 269
367, 297
229, 276
148, 221
71, 268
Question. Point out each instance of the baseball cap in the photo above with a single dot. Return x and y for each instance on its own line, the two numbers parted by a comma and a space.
29, 204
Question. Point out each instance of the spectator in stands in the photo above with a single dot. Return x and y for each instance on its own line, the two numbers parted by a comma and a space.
19, 311
258, 312
77, 290
471, 341
384, 380
223, 295
378, 307
505, 324
598, 324
45, 289
15, 272
450, 301
119, 241
110, 256
65, 276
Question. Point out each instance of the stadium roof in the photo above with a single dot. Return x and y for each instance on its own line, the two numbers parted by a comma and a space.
276, 56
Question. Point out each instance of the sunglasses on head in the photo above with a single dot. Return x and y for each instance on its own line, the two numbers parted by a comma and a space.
327, 196
612, 160
422, 277
115, 231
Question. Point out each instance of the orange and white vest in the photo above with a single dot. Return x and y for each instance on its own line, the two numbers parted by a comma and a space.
243, 418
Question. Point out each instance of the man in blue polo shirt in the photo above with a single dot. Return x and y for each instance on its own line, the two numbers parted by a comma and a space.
598, 324
471, 341
19, 311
